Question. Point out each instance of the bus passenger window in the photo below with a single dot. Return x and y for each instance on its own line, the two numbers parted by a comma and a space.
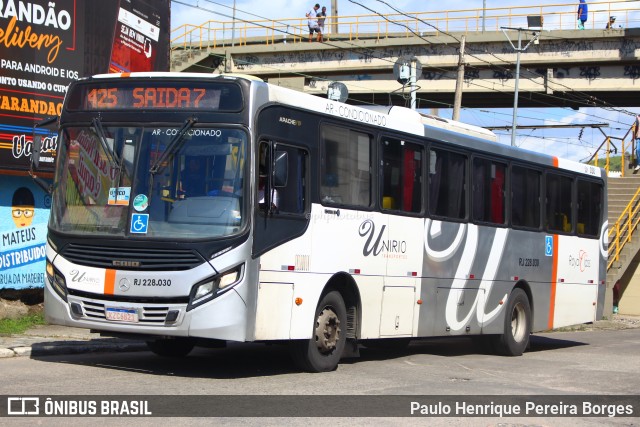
447, 183
589, 208
558, 203
488, 196
401, 175
525, 197
346, 167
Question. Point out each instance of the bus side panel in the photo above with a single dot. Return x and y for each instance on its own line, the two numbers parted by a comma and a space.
283, 277
526, 262
475, 268
577, 281
349, 242
464, 262
403, 252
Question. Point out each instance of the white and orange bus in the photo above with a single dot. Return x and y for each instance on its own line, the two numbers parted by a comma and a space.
192, 207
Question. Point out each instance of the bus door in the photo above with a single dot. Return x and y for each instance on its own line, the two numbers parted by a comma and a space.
280, 195
402, 169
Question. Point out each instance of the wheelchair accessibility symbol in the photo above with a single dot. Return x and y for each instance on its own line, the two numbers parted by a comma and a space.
548, 245
139, 223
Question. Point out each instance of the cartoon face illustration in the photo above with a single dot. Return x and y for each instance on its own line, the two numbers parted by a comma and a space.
22, 207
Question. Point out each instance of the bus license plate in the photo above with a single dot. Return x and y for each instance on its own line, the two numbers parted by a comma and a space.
121, 314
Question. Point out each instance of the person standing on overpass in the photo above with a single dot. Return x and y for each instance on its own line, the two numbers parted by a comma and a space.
313, 23
322, 15
583, 14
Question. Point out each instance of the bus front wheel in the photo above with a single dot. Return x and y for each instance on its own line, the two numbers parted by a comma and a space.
171, 347
517, 325
322, 352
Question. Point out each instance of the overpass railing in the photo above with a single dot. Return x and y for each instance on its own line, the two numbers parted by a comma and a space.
622, 231
627, 223
562, 16
607, 148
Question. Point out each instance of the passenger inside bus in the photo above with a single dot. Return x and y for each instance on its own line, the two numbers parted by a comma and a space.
193, 179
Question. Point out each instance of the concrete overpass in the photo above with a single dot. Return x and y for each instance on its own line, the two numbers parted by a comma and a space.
567, 67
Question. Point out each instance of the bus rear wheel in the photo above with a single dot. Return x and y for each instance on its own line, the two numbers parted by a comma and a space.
171, 347
517, 325
322, 352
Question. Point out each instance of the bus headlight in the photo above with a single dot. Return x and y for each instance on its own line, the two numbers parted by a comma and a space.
56, 280
214, 286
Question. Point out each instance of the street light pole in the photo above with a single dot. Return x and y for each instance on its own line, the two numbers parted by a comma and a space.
334, 16
518, 49
233, 25
413, 80
514, 121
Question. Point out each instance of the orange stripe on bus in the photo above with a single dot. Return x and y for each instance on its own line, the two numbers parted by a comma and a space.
109, 281
125, 74
554, 280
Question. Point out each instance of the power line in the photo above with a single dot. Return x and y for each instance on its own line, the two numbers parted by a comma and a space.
371, 51
588, 100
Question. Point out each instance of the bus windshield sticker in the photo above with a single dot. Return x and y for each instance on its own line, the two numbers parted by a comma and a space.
119, 196
140, 202
139, 223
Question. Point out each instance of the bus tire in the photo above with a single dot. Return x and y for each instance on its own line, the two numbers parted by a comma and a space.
517, 325
322, 352
171, 347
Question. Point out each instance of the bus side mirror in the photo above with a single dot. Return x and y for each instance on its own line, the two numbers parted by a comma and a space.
35, 161
280, 169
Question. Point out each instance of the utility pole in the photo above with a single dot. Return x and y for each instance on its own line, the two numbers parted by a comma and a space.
515, 92
484, 13
233, 25
457, 102
334, 16
413, 80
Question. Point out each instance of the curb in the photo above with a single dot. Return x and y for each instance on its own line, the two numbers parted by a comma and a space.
57, 348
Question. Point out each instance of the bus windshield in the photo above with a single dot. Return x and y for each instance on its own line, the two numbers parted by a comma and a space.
148, 182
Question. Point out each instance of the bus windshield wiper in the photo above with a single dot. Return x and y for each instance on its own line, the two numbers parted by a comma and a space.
174, 144
97, 125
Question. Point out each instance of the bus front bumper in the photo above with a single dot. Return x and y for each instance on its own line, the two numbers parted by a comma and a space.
223, 318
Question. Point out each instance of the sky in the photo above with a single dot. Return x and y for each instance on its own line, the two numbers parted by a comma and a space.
574, 143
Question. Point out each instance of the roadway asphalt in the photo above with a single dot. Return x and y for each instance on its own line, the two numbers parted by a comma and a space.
44, 340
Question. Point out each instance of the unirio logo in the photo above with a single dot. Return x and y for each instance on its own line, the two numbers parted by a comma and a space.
368, 229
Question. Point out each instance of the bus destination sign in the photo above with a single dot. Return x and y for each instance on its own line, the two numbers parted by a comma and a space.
148, 95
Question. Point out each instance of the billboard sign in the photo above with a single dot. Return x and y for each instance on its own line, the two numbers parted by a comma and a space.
45, 45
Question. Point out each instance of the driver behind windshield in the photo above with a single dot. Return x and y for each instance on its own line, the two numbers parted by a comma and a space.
193, 179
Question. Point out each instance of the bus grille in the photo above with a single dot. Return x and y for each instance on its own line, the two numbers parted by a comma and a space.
144, 259
148, 315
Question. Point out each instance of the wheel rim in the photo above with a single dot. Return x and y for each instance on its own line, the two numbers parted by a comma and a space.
327, 330
518, 322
